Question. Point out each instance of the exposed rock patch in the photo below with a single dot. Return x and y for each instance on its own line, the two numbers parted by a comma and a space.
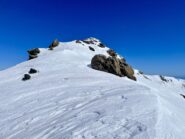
78, 41
101, 45
183, 96
92, 49
32, 71
164, 79
88, 42
26, 77
112, 65
91, 41
54, 44
33, 53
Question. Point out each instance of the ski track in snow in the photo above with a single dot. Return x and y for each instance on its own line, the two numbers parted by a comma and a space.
69, 100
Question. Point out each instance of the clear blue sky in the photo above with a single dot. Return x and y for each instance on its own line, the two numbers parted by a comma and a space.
149, 33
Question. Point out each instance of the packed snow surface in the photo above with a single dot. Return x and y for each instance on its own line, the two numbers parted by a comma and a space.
67, 99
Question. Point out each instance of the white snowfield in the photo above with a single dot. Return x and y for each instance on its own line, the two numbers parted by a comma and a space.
69, 100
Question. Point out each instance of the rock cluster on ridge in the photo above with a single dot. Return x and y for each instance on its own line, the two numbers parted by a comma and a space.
104, 59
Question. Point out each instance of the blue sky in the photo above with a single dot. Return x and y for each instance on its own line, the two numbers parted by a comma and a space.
150, 34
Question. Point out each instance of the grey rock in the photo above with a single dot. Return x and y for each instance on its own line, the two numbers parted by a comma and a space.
54, 44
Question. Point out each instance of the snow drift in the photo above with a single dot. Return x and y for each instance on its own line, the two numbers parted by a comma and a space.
67, 99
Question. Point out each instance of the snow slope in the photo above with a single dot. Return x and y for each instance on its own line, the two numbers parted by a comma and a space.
69, 100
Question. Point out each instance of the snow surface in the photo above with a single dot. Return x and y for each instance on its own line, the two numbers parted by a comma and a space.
69, 100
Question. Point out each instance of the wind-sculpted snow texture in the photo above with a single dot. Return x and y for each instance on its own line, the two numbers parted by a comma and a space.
67, 99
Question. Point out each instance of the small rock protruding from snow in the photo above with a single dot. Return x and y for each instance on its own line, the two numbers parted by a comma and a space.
183, 96
78, 41
26, 77
32, 71
91, 48
33, 53
101, 45
54, 44
164, 79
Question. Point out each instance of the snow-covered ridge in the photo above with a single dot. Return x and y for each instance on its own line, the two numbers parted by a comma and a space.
66, 99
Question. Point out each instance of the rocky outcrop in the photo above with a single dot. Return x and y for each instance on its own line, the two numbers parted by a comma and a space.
164, 79
91, 41
54, 44
33, 53
112, 65
100, 62
78, 41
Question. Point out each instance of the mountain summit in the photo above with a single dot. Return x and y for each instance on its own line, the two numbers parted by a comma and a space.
85, 90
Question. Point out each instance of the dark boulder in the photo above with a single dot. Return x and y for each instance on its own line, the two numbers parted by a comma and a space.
88, 41
32, 71
98, 62
32, 57
111, 52
163, 78
183, 96
101, 45
54, 44
122, 61
78, 41
33, 53
112, 65
127, 70
26, 77
92, 49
